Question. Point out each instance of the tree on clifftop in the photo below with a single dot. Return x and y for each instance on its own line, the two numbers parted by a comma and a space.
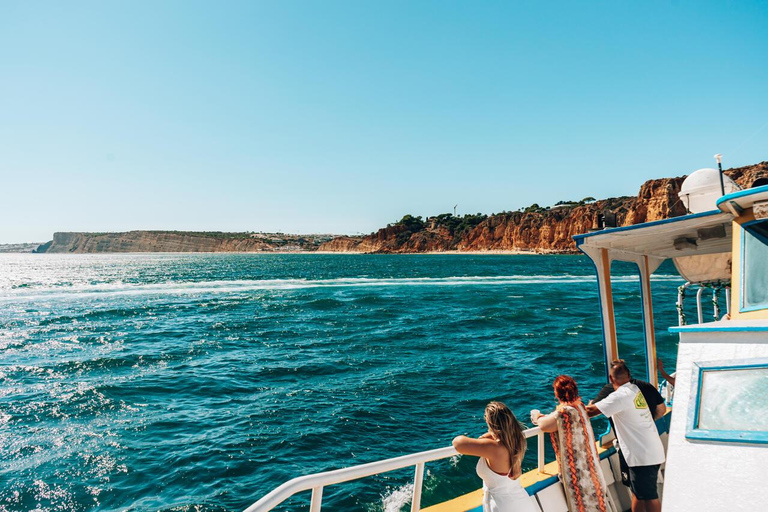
411, 223
457, 225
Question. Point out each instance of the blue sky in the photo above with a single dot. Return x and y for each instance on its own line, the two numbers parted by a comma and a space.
341, 116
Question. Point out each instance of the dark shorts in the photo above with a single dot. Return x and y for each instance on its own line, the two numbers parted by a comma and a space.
642, 481
624, 467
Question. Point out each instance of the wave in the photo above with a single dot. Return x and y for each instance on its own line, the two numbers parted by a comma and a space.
249, 285
396, 498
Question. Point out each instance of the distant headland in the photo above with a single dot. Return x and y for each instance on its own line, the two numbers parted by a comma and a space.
182, 241
532, 229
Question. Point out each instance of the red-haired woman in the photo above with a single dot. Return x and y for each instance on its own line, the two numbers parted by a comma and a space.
574, 443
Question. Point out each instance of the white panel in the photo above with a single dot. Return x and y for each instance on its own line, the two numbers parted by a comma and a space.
739, 469
615, 467
664, 440
535, 502
552, 499
607, 472
625, 495
621, 496
619, 491
660, 484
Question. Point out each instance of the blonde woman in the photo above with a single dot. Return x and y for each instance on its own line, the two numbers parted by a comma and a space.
501, 451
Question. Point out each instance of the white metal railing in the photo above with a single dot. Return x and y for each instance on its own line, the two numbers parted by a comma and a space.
316, 482
699, 307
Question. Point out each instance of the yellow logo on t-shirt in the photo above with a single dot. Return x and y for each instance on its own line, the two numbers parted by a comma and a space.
640, 402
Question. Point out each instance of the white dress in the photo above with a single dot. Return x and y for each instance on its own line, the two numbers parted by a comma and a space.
501, 493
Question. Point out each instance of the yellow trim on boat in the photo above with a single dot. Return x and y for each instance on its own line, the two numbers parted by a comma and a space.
612, 344
466, 502
737, 269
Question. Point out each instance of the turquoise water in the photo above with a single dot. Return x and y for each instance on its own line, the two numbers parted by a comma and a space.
201, 382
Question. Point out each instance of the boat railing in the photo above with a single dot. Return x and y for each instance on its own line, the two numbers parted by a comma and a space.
716, 309
318, 481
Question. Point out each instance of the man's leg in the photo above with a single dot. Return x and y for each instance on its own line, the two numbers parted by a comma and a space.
652, 505
643, 485
638, 505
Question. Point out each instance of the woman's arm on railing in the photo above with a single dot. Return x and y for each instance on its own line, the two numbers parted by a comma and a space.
548, 422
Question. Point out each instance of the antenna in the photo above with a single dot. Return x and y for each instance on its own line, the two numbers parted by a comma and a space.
454, 209
719, 159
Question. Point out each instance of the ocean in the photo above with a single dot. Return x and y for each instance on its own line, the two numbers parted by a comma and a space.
203, 381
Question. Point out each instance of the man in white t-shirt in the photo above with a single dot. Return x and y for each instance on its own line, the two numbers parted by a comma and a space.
637, 434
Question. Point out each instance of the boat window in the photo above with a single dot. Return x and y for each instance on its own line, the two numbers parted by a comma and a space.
755, 261
730, 402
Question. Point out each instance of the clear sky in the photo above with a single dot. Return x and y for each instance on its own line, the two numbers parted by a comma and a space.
341, 116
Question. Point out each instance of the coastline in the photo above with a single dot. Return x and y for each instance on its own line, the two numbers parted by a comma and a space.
494, 252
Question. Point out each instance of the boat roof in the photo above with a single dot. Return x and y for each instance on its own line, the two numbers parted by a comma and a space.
739, 201
658, 238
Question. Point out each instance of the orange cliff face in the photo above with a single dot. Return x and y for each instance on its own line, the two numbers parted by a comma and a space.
535, 231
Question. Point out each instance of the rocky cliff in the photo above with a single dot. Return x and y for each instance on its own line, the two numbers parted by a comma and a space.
534, 229
19, 248
181, 241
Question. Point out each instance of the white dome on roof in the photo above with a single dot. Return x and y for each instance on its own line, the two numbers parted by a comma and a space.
701, 190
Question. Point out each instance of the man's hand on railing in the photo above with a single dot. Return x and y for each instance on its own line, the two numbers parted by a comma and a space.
592, 410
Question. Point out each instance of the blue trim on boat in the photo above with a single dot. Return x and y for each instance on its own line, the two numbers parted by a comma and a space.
749, 309
729, 436
580, 238
718, 328
743, 268
543, 484
663, 423
607, 453
741, 193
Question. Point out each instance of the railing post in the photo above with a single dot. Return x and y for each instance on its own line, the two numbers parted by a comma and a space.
540, 451
698, 305
418, 483
317, 499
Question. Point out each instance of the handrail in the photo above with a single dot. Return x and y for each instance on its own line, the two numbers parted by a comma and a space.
317, 481
716, 287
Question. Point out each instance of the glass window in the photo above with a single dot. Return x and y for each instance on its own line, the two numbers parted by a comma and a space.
755, 278
734, 399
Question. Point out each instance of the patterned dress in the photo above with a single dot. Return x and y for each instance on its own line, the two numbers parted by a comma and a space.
580, 473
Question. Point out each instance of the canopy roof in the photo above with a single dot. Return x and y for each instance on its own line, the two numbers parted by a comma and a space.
668, 238
739, 201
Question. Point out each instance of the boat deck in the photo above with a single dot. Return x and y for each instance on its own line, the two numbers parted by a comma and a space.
545, 489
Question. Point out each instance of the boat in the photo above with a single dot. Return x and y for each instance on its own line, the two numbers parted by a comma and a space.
715, 431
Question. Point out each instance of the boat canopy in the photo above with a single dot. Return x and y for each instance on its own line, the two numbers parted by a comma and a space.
699, 233
700, 243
